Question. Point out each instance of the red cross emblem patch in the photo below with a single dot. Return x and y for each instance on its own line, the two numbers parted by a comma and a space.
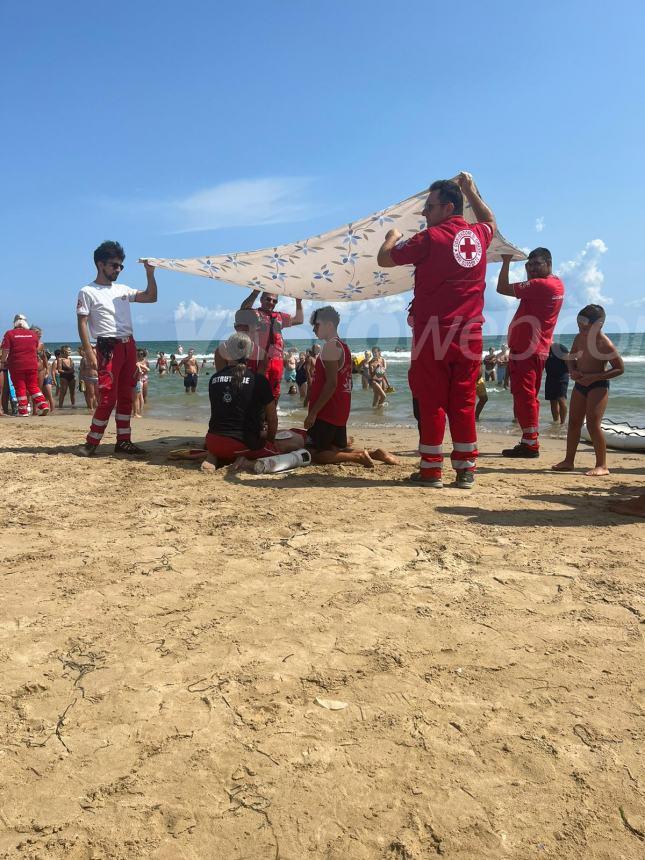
467, 249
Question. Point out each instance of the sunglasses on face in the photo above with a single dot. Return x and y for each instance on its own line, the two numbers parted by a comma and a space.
429, 206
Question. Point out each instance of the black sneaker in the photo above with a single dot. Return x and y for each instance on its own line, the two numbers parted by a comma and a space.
521, 451
433, 481
465, 479
87, 450
128, 447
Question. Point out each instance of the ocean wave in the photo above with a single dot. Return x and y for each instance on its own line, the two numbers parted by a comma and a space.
402, 356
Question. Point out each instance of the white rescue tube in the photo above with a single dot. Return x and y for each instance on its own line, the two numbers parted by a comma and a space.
619, 435
282, 462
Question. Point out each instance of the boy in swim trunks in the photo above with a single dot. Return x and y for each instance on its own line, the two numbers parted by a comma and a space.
590, 354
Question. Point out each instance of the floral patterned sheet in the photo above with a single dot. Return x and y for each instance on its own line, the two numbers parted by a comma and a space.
338, 266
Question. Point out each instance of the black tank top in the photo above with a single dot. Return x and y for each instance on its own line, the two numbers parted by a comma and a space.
238, 411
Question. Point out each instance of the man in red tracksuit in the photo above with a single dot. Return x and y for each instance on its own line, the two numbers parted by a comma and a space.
529, 338
449, 259
103, 311
20, 346
269, 335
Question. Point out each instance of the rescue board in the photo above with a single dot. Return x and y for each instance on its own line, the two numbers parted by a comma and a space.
620, 435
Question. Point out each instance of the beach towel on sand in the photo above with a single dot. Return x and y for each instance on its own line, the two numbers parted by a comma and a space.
187, 454
338, 266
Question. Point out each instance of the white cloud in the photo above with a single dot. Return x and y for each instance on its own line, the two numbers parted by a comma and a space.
197, 322
384, 305
637, 303
384, 316
194, 312
539, 224
244, 203
240, 203
583, 277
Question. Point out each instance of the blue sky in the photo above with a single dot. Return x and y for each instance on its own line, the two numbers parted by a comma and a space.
193, 128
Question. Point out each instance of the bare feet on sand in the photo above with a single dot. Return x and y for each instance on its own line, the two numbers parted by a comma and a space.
209, 465
597, 470
563, 467
631, 507
384, 457
366, 460
241, 464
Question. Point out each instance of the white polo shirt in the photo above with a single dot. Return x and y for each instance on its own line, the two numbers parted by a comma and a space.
108, 309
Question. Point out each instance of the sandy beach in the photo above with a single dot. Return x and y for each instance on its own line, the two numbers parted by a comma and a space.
171, 643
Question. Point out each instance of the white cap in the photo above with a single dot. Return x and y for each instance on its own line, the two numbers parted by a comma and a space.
238, 346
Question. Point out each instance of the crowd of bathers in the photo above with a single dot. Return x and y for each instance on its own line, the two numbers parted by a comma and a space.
60, 375
447, 257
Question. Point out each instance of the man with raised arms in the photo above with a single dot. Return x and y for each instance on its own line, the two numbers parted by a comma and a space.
449, 259
103, 311
529, 339
270, 325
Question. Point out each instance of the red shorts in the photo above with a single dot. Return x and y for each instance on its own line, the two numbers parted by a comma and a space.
274, 372
226, 448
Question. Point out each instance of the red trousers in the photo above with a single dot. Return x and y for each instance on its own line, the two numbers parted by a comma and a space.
116, 381
227, 448
445, 387
275, 369
25, 383
526, 379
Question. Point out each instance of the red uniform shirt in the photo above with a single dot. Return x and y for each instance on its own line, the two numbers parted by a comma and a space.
449, 273
22, 344
336, 410
531, 329
270, 325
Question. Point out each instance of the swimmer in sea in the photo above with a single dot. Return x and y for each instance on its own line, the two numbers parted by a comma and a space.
189, 369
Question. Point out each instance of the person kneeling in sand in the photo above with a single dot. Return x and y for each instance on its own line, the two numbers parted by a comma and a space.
590, 353
244, 416
330, 399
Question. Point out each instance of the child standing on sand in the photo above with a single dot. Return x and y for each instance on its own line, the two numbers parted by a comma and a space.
590, 354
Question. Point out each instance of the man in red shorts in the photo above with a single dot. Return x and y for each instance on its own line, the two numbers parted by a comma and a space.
103, 311
529, 338
270, 325
449, 259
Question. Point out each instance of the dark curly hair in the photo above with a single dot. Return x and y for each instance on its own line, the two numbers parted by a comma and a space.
109, 250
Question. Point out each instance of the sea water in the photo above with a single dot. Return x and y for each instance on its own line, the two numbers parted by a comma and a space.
167, 397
